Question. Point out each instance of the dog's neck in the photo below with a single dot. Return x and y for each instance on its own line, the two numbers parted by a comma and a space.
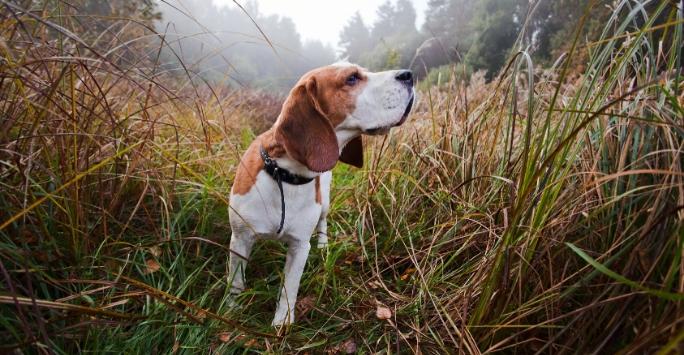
277, 152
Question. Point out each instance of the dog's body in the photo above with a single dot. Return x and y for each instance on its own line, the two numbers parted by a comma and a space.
320, 123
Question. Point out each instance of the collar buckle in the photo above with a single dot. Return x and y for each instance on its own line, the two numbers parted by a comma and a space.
266, 158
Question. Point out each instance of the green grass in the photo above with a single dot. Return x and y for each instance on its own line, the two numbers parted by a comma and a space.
539, 213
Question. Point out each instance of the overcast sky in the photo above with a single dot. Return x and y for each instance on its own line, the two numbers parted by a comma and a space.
324, 19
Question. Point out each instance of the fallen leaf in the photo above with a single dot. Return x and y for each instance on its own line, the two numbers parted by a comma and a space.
201, 314
349, 346
152, 266
224, 337
251, 343
383, 312
407, 273
247, 341
155, 250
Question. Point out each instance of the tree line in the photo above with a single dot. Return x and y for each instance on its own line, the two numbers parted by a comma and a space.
242, 44
243, 47
479, 34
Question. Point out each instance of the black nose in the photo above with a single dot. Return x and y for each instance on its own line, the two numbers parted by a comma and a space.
405, 76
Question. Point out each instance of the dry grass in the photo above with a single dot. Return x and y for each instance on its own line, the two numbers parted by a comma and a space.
507, 219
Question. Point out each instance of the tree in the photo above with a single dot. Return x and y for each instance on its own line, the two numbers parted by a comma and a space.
394, 37
436, 17
216, 42
139, 9
405, 16
497, 26
355, 38
448, 26
386, 24
551, 19
104, 23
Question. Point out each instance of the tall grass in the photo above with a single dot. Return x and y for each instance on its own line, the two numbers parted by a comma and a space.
539, 213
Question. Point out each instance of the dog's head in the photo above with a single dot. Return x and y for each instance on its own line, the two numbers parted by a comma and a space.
341, 98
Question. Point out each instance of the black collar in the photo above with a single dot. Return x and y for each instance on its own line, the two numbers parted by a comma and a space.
278, 173
281, 175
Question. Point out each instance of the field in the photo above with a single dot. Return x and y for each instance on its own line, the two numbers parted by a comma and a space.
538, 213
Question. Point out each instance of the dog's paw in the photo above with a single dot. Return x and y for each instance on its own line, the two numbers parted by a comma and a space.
322, 241
282, 320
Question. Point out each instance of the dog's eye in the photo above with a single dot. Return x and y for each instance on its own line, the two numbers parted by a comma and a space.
352, 79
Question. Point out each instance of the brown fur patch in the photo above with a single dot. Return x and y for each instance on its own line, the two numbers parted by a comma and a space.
251, 164
337, 99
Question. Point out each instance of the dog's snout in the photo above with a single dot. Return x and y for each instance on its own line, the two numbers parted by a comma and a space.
405, 76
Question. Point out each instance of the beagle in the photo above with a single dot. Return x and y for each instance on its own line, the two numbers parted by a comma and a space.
282, 184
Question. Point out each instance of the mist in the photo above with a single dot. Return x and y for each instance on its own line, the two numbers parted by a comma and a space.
238, 47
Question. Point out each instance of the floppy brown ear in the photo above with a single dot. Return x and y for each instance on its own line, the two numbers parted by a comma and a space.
305, 132
352, 153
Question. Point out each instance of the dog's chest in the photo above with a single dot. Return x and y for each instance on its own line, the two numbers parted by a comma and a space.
260, 209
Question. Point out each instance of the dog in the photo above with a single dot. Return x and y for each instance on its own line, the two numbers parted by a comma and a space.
282, 184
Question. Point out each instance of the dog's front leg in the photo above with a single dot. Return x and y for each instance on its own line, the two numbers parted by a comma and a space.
297, 253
